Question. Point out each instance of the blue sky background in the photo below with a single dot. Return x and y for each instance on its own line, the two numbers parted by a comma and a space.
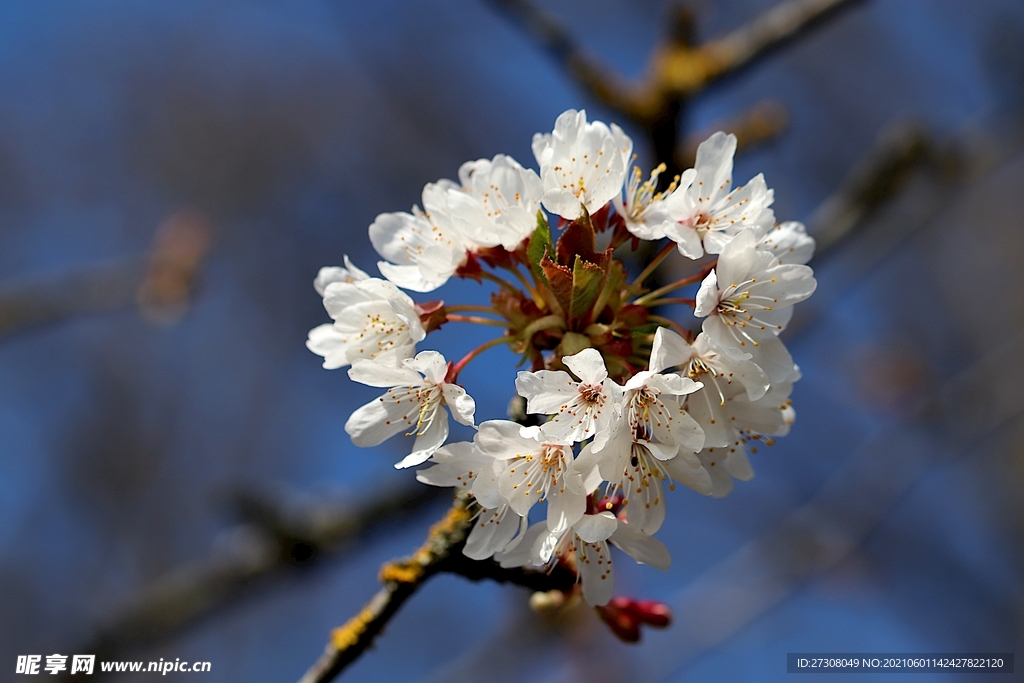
291, 125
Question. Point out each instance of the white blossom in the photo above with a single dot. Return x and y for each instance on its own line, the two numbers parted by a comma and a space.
582, 165
707, 210
788, 242
373, 319
423, 248
745, 424
466, 466
415, 401
654, 442
645, 210
585, 545
497, 203
328, 274
580, 410
748, 300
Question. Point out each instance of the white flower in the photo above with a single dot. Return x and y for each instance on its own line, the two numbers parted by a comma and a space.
745, 424
329, 274
415, 401
717, 368
582, 165
497, 204
644, 209
788, 242
585, 545
424, 248
373, 319
534, 469
465, 466
709, 213
748, 300
579, 410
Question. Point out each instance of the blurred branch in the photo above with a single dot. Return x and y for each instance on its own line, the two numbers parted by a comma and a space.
441, 552
784, 23
760, 124
160, 282
277, 537
678, 70
100, 288
877, 178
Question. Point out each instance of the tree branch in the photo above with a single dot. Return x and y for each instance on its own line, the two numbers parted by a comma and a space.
678, 70
159, 282
441, 552
275, 539
784, 23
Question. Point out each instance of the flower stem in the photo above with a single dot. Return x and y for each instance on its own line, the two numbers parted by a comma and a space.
545, 323
476, 319
470, 308
672, 324
655, 262
507, 339
653, 296
692, 303
501, 281
531, 288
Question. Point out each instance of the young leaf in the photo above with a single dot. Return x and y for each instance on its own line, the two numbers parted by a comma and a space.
540, 244
586, 283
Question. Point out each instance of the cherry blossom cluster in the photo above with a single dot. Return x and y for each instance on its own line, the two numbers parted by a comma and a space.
626, 400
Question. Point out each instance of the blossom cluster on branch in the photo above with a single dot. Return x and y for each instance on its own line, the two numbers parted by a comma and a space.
629, 401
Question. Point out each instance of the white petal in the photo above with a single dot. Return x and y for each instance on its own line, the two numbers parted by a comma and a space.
492, 531
460, 403
707, 296
565, 509
426, 443
376, 374
688, 470
669, 350
594, 564
326, 341
642, 548
588, 365
594, 528
375, 422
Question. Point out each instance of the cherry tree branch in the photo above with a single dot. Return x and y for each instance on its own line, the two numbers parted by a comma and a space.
275, 538
160, 282
441, 552
679, 69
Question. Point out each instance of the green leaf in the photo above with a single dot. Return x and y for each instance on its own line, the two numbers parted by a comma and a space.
540, 244
587, 279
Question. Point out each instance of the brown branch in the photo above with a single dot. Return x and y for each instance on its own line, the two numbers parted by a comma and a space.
784, 23
678, 70
760, 124
601, 82
441, 552
159, 282
276, 539
877, 178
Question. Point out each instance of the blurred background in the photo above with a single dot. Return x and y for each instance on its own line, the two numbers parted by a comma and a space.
175, 479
